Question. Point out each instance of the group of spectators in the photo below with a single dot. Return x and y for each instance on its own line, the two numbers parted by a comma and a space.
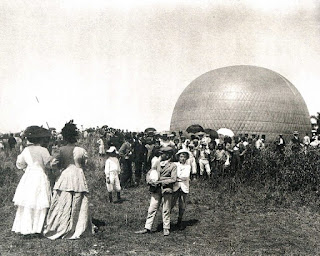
165, 160
209, 155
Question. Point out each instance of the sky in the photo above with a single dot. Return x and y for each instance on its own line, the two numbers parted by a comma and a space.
125, 63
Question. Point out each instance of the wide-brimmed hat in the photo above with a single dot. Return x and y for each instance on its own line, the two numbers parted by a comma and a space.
112, 149
183, 151
296, 132
35, 131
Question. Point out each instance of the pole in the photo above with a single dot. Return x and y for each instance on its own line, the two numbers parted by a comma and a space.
46, 121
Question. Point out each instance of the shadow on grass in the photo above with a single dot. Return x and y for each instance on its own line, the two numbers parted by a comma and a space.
174, 227
98, 223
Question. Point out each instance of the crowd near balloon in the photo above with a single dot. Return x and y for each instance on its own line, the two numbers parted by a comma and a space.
52, 195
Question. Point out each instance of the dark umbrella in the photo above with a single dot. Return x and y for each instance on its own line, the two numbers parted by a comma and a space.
150, 129
213, 134
195, 128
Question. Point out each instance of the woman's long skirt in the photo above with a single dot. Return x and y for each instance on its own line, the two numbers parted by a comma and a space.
68, 216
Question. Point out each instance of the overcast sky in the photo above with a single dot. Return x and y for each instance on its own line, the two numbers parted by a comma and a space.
125, 63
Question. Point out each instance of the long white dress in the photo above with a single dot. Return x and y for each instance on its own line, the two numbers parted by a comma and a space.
33, 192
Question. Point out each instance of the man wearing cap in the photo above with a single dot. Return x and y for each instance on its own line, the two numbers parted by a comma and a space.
161, 191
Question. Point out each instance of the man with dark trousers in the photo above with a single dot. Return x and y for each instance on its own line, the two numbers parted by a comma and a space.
139, 156
125, 153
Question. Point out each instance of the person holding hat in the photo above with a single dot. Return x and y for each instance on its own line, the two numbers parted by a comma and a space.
33, 192
69, 214
112, 170
161, 191
181, 186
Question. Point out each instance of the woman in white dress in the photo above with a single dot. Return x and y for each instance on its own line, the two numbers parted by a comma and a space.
69, 215
33, 192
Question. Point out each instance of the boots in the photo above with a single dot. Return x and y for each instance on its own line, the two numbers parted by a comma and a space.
110, 197
118, 196
179, 223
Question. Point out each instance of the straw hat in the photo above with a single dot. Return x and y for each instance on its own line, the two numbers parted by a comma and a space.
183, 151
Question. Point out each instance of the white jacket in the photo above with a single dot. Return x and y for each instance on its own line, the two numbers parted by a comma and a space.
183, 177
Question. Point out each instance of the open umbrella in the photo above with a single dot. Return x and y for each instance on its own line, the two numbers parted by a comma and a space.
150, 129
195, 128
225, 132
213, 134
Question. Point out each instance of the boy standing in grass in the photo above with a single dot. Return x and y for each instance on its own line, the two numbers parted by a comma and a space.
181, 187
112, 171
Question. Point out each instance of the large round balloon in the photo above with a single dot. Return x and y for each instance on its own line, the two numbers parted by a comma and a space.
245, 99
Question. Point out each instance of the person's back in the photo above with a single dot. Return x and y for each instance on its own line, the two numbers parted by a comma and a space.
12, 141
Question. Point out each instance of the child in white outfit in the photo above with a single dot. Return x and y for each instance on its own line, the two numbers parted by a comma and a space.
112, 171
181, 187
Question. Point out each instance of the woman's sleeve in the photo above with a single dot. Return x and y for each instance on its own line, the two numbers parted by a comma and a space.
21, 162
46, 158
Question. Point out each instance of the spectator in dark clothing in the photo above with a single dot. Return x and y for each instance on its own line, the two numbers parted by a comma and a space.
12, 142
125, 153
139, 153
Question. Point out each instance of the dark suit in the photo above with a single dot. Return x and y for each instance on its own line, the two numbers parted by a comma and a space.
139, 156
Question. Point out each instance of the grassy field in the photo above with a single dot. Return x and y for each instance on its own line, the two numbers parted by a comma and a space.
244, 220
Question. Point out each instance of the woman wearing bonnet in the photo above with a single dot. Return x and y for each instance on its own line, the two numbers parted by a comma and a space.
69, 215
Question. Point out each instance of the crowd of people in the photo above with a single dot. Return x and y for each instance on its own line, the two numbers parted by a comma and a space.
52, 195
